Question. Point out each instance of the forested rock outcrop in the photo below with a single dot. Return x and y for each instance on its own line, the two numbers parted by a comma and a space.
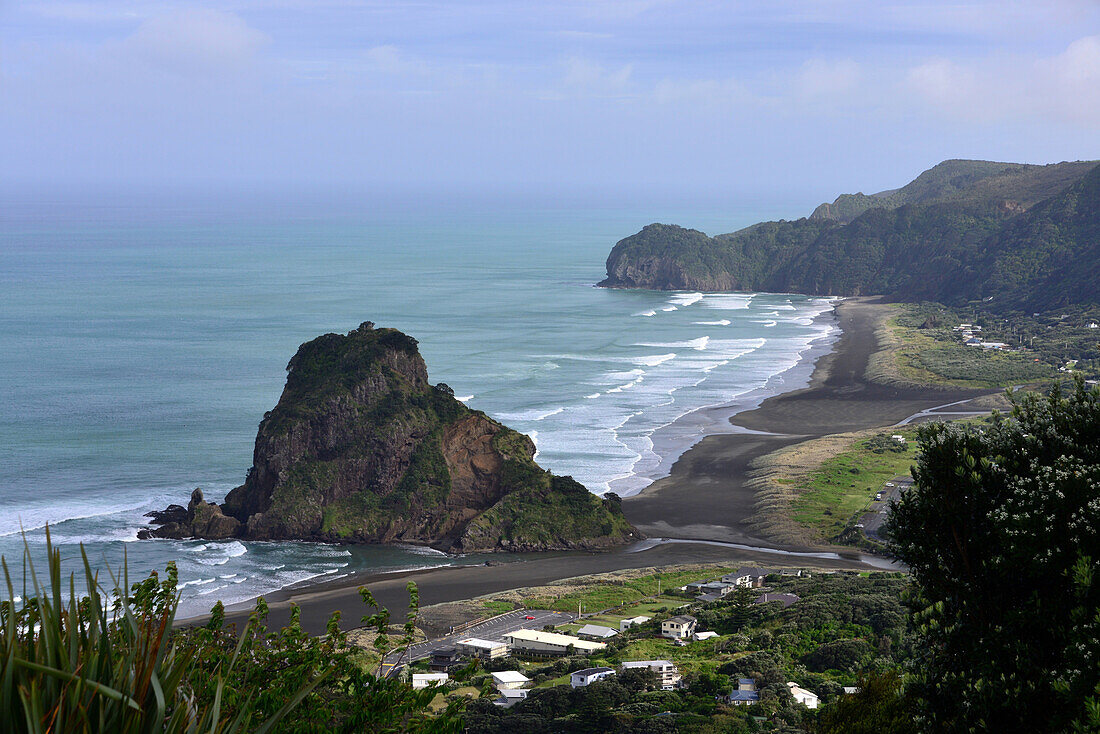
1024, 237
361, 448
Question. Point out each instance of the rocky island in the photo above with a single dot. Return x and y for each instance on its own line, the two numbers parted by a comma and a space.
361, 448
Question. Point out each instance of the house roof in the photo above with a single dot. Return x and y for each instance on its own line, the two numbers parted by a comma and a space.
596, 630
649, 664
705, 635
682, 619
706, 598
746, 682
736, 695
637, 620
429, 676
785, 599
513, 693
478, 642
797, 690
587, 672
553, 638
510, 676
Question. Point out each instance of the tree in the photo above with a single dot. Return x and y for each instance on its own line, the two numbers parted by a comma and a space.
877, 707
1001, 533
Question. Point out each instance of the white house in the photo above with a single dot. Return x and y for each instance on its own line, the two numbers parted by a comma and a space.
509, 680
700, 636
680, 627
582, 678
509, 697
748, 576
595, 632
668, 677
475, 647
423, 680
628, 623
808, 699
548, 644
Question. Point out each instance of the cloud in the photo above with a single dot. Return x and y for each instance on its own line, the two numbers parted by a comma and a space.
195, 40
827, 78
1063, 88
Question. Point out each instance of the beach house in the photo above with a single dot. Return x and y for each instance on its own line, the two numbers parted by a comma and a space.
509, 680
745, 694
808, 699
628, 623
423, 680
748, 576
595, 632
475, 647
582, 678
785, 599
668, 677
680, 627
509, 697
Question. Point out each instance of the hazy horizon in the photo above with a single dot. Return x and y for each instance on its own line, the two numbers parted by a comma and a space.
797, 100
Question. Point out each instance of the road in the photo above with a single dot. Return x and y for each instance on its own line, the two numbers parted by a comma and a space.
494, 629
873, 520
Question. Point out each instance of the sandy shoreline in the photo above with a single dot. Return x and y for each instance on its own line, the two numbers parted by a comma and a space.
703, 498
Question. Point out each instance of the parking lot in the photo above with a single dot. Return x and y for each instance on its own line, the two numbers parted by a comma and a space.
494, 629
874, 519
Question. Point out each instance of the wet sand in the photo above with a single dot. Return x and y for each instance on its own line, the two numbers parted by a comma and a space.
703, 498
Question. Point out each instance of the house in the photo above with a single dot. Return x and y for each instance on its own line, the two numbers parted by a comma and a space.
680, 627
851, 690
475, 647
707, 598
745, 694
509, 697
595, 632
695, 587
700, 636
808, 699
1093, 325
973, 342
548, 644
444, 660
748, 576
507, 680
582, 678
424, 680
668, 677
785, 599
628, 623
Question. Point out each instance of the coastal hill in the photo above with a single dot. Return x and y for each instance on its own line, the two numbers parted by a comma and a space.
1021, 236
361, 448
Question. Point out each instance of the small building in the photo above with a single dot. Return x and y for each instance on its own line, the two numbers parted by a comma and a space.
548, 644
444, 660
700, 636
745, 694
628, 623
707, 598
749, 576
425, 680
582, 678
509, 697
595, 632
785, 599
508, 680
680, 627
851, 690
476, 647
808, 699
668, 677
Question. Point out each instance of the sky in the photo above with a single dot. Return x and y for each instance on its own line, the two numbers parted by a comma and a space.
726, 96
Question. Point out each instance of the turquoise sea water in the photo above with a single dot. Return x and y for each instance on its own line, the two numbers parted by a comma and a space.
143, 339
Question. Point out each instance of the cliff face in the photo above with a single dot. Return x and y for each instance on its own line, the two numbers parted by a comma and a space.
361, 448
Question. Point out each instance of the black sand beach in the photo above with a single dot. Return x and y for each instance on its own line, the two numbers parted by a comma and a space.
704, 498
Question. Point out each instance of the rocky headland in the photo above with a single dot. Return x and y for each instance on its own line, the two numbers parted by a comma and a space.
361, 448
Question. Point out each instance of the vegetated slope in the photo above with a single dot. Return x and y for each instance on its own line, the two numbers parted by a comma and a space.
962, 230
361, 448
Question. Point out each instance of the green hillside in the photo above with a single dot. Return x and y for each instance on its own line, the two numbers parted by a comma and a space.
1018, 235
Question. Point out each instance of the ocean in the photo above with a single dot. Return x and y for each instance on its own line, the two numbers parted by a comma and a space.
143, 336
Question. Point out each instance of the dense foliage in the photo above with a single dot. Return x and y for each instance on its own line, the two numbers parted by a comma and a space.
1002, 536
115, 663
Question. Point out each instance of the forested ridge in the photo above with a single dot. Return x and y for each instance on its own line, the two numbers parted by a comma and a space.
1020, 237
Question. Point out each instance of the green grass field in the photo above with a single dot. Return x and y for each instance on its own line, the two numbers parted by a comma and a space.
614, 594
845, 484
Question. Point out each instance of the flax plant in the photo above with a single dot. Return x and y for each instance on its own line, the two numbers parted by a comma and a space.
105, 661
